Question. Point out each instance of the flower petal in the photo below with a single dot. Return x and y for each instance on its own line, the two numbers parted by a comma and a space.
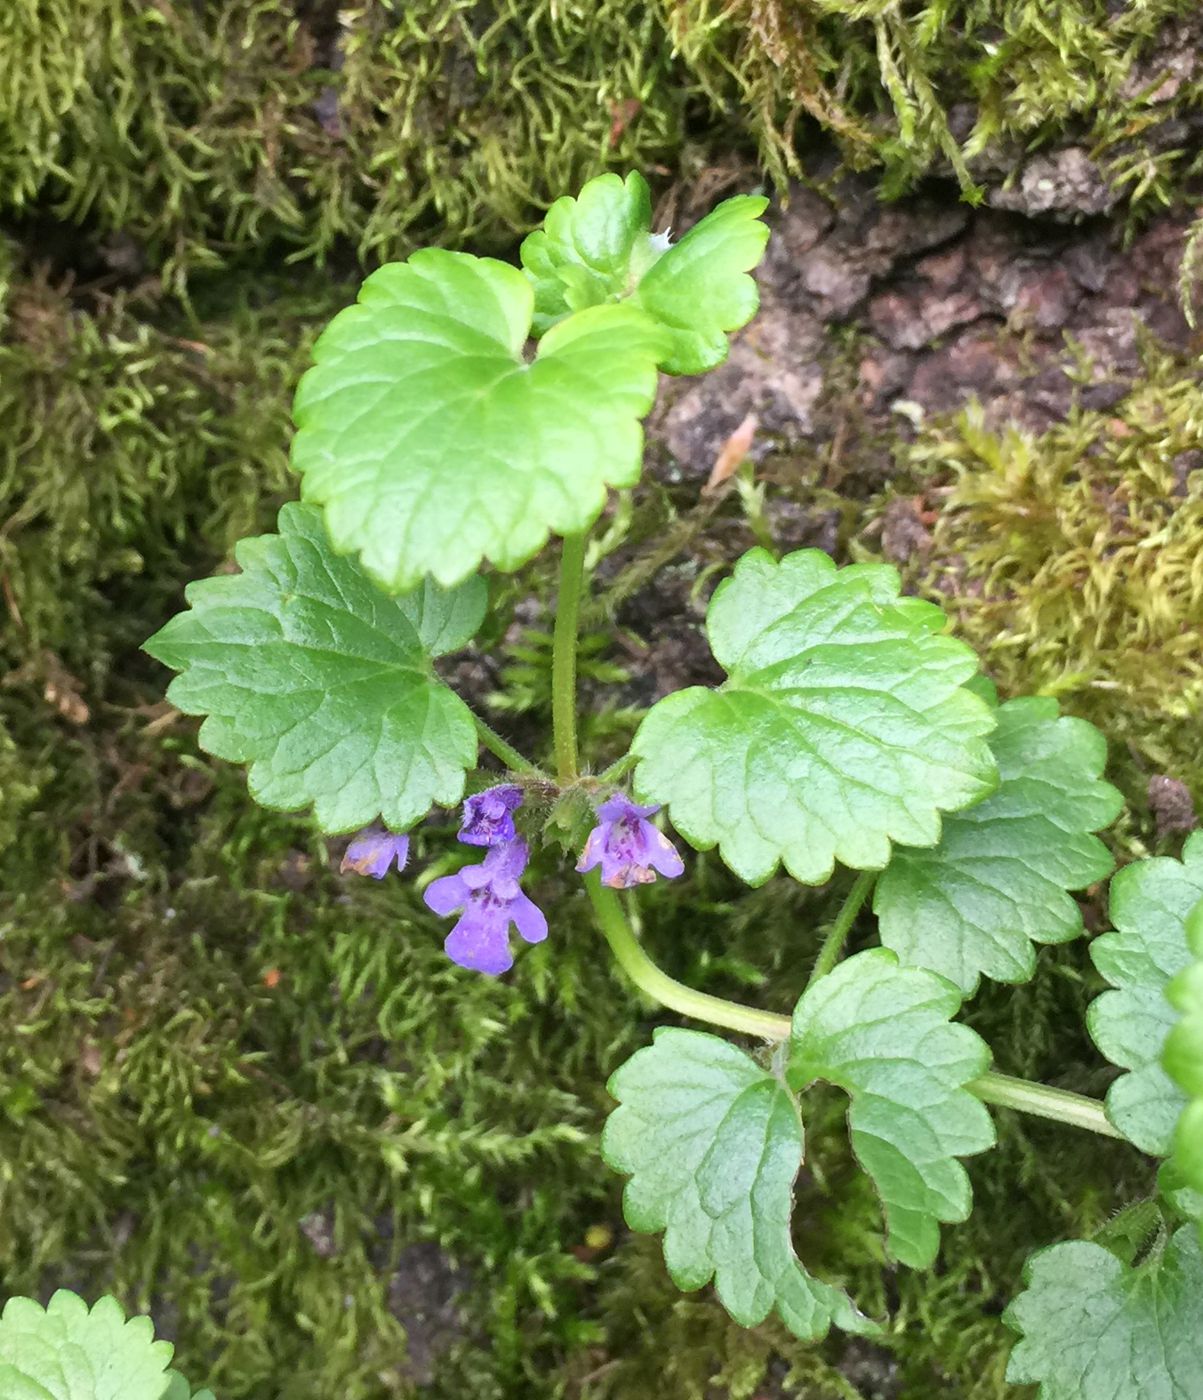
481, 945
663, 855
528, 919
448, 894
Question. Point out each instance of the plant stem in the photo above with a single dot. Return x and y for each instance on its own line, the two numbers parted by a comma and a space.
665, 989
618, 769
1059, 1105
563, 656
833, 944
498, 747
1040, 1100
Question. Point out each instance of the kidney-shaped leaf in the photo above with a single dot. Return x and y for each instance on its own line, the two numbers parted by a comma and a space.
68, 1351
1094, 1328
434, 444
322, 682
998, 881
882, 1033
1150, 901
712, 1144
844, 725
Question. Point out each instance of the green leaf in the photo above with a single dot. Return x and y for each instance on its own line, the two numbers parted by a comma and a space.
67, 1351
591, 249
179, 1389
1182, 1060
1095, 1329
998, 881
323, 683
844, 725
1149, 904
881, 1033
599, 248
712, 1144
700, 289
434, 444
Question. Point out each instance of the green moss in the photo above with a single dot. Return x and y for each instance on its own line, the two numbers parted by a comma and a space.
195, 131
1071, 561
885, 79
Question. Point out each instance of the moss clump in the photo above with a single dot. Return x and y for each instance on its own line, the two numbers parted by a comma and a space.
208, 131
1072, 562
133, 451
960, 85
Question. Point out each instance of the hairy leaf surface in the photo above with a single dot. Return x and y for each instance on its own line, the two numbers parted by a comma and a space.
1150, 901
844, 724
599, 248
1094, 1328
434, 444
998, 882
68, 1351
712, 1144
882, 1033
322, 682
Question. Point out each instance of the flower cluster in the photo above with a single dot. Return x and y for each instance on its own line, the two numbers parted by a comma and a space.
488, 897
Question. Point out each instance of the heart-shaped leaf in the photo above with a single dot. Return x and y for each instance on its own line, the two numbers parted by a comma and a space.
1150, 901
434, 444
712, 1144
882, 1033
844, 726
998, 881
322, 682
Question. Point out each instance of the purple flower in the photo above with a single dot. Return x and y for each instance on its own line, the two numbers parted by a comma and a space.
373, 851
488, 900
627, 846
488, 819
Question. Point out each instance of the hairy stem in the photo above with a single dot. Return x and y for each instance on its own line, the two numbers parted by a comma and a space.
563, 656
1058, 1105
507, 753
833, 944
619, 769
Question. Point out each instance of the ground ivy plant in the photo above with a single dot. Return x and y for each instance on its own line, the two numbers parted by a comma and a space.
462, 415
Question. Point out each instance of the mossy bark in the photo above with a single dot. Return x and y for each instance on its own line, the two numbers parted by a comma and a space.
256, 1097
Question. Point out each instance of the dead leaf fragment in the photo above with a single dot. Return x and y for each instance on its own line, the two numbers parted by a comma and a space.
732, 454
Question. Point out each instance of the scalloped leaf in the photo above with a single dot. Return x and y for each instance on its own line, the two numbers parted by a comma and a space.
1094, 1328
323, 683
844, 724
68, 1351
882, 1033
434, 444
712, 1144
998, 882
599, 248
1182, 1060
700, 289
1150, 901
